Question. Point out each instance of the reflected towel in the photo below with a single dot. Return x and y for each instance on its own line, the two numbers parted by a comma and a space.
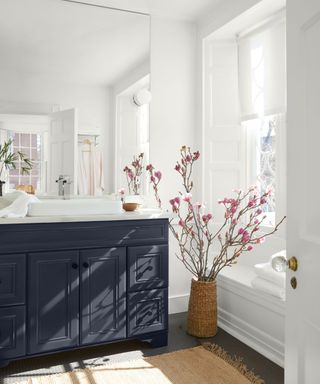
16, 204
90, 171
266, 272
268, 287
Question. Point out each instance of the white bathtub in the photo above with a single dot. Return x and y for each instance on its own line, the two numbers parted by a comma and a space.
255, 318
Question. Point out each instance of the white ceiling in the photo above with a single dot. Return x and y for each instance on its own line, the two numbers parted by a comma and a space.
88, 45
251, 18
179, 9
71, 42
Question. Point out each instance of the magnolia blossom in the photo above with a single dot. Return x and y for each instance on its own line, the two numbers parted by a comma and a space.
158, 175
260, 240
187, 197
181, 223
206, 218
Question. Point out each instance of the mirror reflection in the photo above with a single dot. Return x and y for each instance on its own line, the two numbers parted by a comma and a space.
74, 94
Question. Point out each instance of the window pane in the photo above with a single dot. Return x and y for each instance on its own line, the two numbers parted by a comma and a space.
35, 154
34, 141
25, 140
267, 167
263, 155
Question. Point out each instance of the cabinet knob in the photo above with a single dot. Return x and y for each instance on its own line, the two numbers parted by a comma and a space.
85, 265
74, 265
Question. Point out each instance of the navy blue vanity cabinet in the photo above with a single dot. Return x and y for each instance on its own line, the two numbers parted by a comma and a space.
103, 295
74, 284
53, 283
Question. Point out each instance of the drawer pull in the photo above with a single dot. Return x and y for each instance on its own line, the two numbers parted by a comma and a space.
85, 265
74, 265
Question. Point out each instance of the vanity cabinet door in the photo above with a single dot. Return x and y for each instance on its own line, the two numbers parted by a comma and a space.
103, 296
12, 332
53, 300
12, 279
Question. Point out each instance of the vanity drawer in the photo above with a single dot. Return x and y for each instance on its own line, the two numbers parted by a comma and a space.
12, 332
148, 311
82, 235
148, 267
12, 279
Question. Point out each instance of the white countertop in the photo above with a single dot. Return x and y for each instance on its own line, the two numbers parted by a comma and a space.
142, 214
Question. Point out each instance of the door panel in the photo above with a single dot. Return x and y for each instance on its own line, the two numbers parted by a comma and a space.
303, 238
12, 279
148, 267
12, 332
53, 300
103, 302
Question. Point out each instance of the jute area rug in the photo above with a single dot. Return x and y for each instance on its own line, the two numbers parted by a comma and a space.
207, 364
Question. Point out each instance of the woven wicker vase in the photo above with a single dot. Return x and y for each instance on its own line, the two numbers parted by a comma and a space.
202, 311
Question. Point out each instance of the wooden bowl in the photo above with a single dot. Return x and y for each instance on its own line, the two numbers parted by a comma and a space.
129, 207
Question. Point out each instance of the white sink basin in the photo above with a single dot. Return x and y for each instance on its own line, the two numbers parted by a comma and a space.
74, 207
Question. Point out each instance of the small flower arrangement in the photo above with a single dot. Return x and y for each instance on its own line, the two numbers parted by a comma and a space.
239, 233
121, 193
155, 177
134, 173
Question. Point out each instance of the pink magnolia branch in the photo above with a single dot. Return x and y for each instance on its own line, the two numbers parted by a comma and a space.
194, 234
155, 177
133, 174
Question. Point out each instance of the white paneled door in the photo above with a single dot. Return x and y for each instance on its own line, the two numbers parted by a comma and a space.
303, 303
62, 157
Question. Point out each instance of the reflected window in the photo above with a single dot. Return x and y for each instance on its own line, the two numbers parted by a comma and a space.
31, 145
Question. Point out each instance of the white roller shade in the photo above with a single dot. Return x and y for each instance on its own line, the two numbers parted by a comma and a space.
262, 71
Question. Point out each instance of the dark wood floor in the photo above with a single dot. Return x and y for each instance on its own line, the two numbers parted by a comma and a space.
178, 339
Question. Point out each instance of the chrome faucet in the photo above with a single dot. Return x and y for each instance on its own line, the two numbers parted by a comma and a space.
64, 186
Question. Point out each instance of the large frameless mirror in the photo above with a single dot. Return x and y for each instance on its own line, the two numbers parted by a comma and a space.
73, 79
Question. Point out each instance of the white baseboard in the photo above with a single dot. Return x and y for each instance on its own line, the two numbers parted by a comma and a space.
252, 336
178, 303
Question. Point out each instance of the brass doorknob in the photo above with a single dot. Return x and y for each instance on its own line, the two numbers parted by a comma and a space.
280, 263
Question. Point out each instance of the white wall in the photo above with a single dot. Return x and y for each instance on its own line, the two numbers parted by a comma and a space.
172, 122
176, 110
21, 93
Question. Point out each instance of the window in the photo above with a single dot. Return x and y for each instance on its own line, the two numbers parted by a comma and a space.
262, 134
30, 144
262, 91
